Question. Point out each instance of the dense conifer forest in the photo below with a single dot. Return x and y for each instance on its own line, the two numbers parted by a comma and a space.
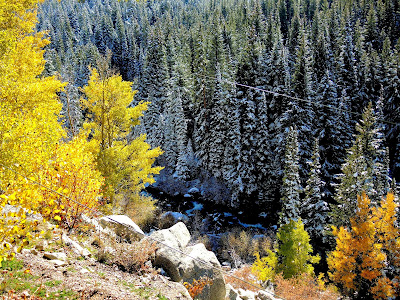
229, 82
276, 110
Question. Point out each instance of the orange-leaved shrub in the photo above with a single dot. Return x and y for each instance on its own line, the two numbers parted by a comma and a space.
197, 286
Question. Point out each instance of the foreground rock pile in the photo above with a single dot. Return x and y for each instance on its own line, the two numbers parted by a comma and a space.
65, 259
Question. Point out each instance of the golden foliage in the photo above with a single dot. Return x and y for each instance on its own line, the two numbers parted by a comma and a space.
265, 268
125, 163
35, 167
367, 251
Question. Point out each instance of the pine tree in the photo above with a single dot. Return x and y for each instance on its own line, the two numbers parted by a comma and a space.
291, 186
247, 74
361, 169
155, 87
218, 128
314, 209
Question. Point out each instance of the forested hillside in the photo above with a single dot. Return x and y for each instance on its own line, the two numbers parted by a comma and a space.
216, 73
279, 111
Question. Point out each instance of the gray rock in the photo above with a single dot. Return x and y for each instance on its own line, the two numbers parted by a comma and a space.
231, 293
25, 251
98, 227
123, 226
180, 289
185, 264
59, 263
246, 295
55, 256
264, 295
76, 248
193, 267
14, 209
176, 237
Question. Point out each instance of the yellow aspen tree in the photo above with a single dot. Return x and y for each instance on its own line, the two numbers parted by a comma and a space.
125, 162
385, 221
358, 262
35, 166
28, 115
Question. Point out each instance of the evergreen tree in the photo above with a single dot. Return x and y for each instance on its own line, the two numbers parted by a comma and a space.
314, 209
155, 86
291, 186
247, 74
362, 169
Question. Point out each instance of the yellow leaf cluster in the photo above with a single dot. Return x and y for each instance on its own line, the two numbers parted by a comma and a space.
126, 163
265, 267
364, 252
35, 167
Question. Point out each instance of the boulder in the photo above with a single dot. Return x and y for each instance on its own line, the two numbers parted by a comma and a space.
55, 256
185, 264
231, 293
201, 262
176, 237
75, 246
246, 295
123, 226
264, 295
59, 263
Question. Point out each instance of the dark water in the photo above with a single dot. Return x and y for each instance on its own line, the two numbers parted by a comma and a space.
214, 218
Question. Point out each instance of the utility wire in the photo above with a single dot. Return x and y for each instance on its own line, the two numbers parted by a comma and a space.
271, 92
133, 229
291, 97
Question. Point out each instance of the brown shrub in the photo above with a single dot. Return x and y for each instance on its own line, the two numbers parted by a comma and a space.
239, 246
141, 210
133, 257
240, 277
303, 287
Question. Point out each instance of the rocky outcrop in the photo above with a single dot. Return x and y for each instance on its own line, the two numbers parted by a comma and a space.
184, 264
76, 248
241, 294
123, 226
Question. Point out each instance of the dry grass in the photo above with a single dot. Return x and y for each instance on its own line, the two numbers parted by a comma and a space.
133, 257
141, 210
303, 287
244, 274
239, 247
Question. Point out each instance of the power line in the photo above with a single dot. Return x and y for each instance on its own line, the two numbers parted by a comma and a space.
292, 97
133, 229
271, 92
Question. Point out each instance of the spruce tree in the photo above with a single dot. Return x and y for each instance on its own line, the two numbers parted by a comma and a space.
291, 186
314, 209
362, 168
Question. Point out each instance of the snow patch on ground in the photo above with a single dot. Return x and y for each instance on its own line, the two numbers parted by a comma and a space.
258, 225
176, 215
194, 190
196, 206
